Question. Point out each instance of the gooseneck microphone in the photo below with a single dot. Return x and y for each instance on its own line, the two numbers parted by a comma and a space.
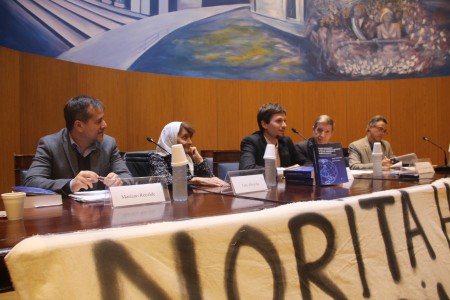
157, 145
440, 169
298, 133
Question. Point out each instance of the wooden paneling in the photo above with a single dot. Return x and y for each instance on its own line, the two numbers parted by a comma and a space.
414, 111
45, 86
443, 113
195, 101
228, 94
110, 87
10, 121
34, 90
152, 108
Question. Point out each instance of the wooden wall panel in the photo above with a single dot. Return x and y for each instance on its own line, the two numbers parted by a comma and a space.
229, 113
35, 89
443, 114
46, 85
413, 108
150, 106
110, 87
324, 99
195, 101
10, 121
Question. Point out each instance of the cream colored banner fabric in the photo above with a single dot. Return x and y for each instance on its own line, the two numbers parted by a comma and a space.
387, 245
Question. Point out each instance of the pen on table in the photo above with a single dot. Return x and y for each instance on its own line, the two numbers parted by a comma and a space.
99, 178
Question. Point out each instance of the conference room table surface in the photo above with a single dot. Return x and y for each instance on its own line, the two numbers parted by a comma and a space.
202, 202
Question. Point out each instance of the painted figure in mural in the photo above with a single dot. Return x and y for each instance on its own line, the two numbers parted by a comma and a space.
271, 120
198, 171
360, 151
322, 131
80, 156
388, 30
362, 26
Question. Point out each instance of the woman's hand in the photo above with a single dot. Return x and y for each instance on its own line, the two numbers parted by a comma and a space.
195, 155
209, 181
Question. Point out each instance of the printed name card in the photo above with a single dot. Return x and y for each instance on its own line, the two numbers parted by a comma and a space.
248, 184
137, 194
424, 167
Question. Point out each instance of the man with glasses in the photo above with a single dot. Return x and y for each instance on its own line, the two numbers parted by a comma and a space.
360, 151
322, 131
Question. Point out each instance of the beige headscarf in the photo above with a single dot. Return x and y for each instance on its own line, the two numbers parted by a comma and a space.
168, 138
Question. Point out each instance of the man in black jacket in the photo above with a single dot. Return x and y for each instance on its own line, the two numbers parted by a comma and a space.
272, 125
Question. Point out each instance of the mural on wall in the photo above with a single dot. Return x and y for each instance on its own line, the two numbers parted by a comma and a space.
286, 40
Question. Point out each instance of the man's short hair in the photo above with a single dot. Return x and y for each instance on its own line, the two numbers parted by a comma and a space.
266, 111
376, 119
77, 109
325, 119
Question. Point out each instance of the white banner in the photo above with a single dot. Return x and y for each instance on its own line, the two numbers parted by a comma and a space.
386, 245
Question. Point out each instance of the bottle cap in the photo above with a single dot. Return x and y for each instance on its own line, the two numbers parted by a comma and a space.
178, 156
377, 148
270, 152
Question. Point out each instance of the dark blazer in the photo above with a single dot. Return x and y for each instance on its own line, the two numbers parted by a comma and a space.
305, 151
254, 146
55, 162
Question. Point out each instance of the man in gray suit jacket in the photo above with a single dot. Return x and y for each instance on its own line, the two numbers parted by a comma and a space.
79, 156
360, 151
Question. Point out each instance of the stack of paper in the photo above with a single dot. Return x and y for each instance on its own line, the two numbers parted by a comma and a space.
91, 196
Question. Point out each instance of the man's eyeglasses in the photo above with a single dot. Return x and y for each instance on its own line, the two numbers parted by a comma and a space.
381, 129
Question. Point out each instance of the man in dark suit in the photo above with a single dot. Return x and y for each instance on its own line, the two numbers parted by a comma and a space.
80, 156
272, 125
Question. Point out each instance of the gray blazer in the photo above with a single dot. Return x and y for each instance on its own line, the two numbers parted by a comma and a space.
55, 162
360, 153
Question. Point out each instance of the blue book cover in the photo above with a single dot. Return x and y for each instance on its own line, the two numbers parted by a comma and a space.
32, 190
329, 164
299, 172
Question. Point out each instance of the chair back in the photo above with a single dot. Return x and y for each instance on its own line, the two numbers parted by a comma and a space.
22, 163
137, 162
223, 161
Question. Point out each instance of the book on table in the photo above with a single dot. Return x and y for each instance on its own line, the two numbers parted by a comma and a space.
328, 167
37, 197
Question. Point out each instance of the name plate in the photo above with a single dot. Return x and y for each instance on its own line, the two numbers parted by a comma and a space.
248, 183
424, 167
137, 194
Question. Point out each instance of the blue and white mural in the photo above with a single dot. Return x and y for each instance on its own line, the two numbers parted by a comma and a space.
285, 40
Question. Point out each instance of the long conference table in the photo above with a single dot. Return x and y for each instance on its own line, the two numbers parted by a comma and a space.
73, 216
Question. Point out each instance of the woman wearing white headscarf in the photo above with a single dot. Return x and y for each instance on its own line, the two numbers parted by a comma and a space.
198, 171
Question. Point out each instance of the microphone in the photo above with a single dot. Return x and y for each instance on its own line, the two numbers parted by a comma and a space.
440, 169
298, 133
157, 145
311, 146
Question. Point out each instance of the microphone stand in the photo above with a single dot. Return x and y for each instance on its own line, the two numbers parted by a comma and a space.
310, 146
445, 169
157, 145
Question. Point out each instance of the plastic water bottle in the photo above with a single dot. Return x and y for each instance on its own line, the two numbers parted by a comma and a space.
377, 159
179, 176
270, 172
270, 168
179, 183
